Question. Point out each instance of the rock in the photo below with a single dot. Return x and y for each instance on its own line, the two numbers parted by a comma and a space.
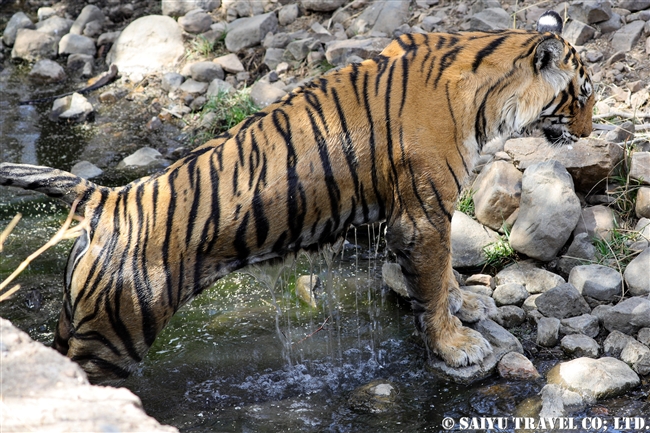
288, 14
585, 324
43, 390
590, 12
561, 302
93, 29
481, 290
54, 26
205, 72
622, 133
171, 81
47, 71
141, 158
515, 366
526, 273
549, 211
217, 87
615, 343
640, 167
580, 251
530, 304
32, 45
73, 107
642, 207
195, 22
627, 36
18, 21
637, 356
588, 161
468, 238
497, 193
644, 336
178, 8
510, 294
614, 23
559, 402
108, 38
578, 33
490, 19
548, 329
594, 378
378, 396
81, 62
481, 279
76, 44
338, 52
381, 18
88, 13
273, 57
643, 227
322, 5
164, 47
277, 40
86, 170
627, 316
597, 281
597, 222
193, 87
393, 277
502, 342
510, 316
634, 5
297, 50
248, 32
230, 63
263, 94
306, 285
637, 274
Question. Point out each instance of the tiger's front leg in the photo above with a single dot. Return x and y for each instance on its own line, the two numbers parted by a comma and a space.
423, 249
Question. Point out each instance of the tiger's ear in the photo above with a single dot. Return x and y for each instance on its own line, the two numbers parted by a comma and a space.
550, 21
548, 54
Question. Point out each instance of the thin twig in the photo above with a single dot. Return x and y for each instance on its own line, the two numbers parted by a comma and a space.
7, 231
320, 328
62, 233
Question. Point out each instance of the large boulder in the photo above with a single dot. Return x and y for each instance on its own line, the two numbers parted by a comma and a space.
248, 32
162, 50
32, 45
497, 193
468, 239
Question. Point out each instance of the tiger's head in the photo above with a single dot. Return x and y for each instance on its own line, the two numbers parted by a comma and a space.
567, 117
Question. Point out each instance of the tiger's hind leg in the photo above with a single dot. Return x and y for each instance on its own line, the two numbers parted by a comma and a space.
423, 251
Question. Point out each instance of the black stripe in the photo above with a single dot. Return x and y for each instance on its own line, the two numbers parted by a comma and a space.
405, 79
372, 144
451, 170
446, 61
486, 51
240, 244
354, 78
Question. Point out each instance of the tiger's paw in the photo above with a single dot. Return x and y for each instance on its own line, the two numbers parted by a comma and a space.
461, 347
475, 307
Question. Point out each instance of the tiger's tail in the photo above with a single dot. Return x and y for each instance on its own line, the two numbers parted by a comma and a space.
55, 183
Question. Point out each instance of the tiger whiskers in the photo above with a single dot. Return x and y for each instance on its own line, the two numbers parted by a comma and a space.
65, 232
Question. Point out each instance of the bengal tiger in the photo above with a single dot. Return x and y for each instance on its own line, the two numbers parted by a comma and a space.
389, 139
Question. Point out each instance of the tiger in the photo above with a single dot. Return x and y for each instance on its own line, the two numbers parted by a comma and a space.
392, 139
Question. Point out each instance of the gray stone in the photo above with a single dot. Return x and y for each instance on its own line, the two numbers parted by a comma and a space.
548, 330
634, 5
559, 402
614, 23
32, 45
178, 8
306, 285
644, 336
393, 277
54, 26
277, 40
171, 81
273, 57
322, 5
263, 93
589, 161
510, 316
163, 50
248, 32
45, 12
430, 22
597, 222
642, 207
578, 33
18, 21
528, 274
502, 342
194, 87
615, 343
298, 49
141, 158
81, 62
515, 366
88, 13
530, 304
43, 390
93, 29
590, 12
561, 302
637, 274
47, 71
480, 279
549, 211
597, 281
626, 37
468, 240
637, 356
497, 191
230, 63
338, 52
581, 251
585, 324
627, 316
381, 17
77, 44
481, 290
622, 133
195, 22
205, 72
490, 19
108, 38
594, 378
73, 107
288, 14
640, 167
377, 397
510, 294
579, 345
86, 170
643, 227
218, 86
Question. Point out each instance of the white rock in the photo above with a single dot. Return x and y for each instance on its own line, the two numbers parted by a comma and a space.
141, 158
